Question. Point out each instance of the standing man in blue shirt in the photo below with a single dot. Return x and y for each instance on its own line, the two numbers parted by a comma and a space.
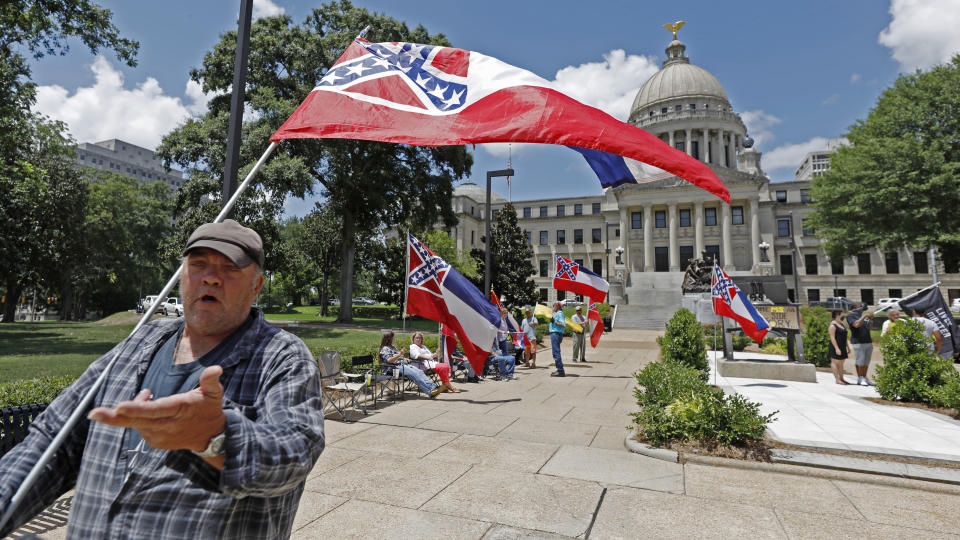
557, 324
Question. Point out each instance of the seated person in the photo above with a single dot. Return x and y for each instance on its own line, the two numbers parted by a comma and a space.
459, 360
392, 359
422, 358
505, 361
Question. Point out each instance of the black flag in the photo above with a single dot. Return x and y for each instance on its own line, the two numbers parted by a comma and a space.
931, 303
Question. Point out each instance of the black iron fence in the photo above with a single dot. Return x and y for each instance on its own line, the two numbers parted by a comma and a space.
14, 422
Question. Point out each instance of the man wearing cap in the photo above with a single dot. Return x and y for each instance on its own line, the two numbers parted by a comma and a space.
557, 324
206, 426
579, 346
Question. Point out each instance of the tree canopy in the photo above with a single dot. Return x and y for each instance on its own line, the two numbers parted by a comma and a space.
898, 183
369, 185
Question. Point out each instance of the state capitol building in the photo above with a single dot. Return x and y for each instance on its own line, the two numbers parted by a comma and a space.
664, 221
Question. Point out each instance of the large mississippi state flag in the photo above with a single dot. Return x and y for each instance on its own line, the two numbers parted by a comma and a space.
729, 301
573, 277
436, 291
594, 315
433, 96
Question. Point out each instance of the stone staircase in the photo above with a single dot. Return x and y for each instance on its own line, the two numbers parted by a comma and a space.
653, 298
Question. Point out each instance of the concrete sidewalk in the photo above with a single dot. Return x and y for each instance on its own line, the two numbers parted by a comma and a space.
544, 458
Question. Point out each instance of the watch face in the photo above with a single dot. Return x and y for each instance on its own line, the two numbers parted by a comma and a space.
216, 444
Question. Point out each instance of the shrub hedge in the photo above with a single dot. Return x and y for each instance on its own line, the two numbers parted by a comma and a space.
32, 391
816, 336
683, 341
911, 372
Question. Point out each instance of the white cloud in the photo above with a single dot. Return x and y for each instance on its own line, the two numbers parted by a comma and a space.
609, 85
759, 126
266, 8
922, 33
855, 78
107, 110
831, 99
789, 156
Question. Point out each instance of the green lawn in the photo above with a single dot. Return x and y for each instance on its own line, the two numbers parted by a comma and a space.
50, 348
362, 317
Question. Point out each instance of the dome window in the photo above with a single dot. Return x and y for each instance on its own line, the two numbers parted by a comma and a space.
693, 106
664, 110
706, 105
651, 113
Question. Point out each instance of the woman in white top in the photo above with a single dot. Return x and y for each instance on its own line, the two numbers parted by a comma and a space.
422, 358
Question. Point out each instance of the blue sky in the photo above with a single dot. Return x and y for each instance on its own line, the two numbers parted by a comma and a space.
799, 72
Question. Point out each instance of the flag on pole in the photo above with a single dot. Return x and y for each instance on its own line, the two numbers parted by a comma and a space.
433, 96
729, 301
934, 307
573, 277
436, 291
593, 314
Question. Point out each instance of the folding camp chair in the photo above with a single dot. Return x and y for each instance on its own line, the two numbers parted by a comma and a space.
364, 364
336, 386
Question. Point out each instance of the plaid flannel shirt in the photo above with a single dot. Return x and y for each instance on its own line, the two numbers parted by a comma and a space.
274, 435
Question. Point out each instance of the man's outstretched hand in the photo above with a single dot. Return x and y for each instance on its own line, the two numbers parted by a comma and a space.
182, 421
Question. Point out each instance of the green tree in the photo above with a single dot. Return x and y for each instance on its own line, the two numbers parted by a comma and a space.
899, 180
320, 242
816, 335
683, 342
369, 185
511, 272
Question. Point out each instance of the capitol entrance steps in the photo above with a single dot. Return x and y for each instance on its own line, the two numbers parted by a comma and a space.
652, 298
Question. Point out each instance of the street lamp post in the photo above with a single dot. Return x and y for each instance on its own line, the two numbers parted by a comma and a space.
607, 249
619, 251
794, 254
232, 162
487, 239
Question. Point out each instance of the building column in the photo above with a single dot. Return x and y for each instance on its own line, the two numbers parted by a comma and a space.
624, 237
674, 225
720, 149
732, 156
725, 232
706, 147
670, 138
698, 228
755, 231
648, 238
688, 143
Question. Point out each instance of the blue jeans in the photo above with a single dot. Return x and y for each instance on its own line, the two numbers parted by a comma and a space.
418, 377
555, 339
505, 364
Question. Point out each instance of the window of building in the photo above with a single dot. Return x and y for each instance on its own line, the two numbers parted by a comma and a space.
790, 297
471, 210
543, 238
805, 195
598, 266
781, 196
810, 264
543, 295
863, 263
713, 251
526, 212
736, 214
813, 295
651, 113
561, 295
783, 227
660, 217
836, 267
693, 106
840, 293
866, 296
685, 217
680, 145
920, 265
807, 229
578, 236
595, 208
561, 210
616, 232
664, 110
896, 293
543, 211
695, 149
472, 237
710, 217
544, 267
678, 107
786, 265
686, 253
561, 237
892, 262
578, 209
578, 261
496, 212
636, 220
529, 235
595, 236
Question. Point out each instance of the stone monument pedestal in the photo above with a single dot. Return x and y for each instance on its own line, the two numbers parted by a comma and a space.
766, 366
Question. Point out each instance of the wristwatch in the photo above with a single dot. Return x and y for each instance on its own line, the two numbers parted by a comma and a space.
214, 447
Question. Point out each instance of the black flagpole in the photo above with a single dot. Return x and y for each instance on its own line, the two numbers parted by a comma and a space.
236, 101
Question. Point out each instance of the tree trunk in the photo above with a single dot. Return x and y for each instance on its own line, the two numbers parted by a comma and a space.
324, 296
66, 302
13, 296
346, 277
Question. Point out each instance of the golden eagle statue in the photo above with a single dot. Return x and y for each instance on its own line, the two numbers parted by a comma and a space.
674, 27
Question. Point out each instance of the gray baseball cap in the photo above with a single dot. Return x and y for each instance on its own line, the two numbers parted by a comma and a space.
236, 242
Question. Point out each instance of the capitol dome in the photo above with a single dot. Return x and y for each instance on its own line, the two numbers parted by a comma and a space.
678, 79
477, 193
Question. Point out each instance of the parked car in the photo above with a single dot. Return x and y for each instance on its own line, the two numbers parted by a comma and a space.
570, 302
172, 305
333, 302
841, 303
364, 301
955, 306
146, 303
888, 303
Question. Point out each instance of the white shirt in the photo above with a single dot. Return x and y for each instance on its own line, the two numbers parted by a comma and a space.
419, 351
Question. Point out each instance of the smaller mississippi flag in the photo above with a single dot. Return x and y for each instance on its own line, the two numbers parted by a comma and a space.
573, 277
593, 314
729, 301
